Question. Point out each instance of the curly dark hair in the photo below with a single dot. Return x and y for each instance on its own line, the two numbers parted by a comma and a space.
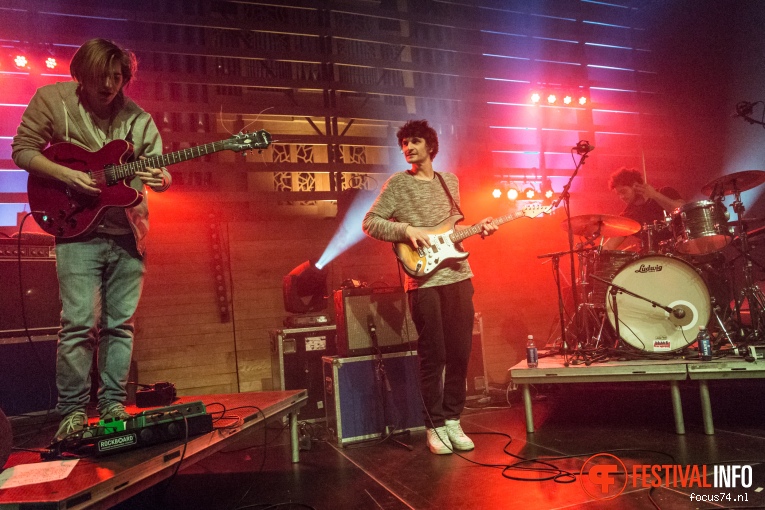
419, 129
625, 177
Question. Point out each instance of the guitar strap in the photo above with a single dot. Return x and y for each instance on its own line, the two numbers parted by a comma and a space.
448, 194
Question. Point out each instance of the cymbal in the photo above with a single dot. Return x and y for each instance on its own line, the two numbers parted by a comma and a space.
603, 224
731, 183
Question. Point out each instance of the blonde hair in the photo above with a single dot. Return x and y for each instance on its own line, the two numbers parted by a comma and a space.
92, 62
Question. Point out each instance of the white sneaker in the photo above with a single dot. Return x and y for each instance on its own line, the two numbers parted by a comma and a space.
438, 441
457, 437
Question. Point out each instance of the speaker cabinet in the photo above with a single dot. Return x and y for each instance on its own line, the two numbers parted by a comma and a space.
27, 374
385, 307
42, 305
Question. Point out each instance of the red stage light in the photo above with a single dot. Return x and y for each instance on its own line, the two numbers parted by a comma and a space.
582, 100
512, 194
535, 97
496, 193
529, 193
551, 99
50, 63
567, 100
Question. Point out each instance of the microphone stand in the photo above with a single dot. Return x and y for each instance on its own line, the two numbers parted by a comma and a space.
615, 289
383, 385
565, 197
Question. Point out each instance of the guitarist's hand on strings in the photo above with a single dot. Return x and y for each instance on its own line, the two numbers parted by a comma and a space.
487, 227
152, 177
81, 182
417, 236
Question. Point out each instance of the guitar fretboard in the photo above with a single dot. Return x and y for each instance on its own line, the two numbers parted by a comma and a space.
119, 172
530, 211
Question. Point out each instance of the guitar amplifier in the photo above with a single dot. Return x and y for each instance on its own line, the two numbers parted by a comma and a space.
42, 306
386, 307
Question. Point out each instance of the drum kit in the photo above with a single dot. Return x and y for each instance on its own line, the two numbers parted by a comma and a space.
654, 297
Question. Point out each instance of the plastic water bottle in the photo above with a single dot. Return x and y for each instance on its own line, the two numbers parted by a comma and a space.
532, 357
704, 343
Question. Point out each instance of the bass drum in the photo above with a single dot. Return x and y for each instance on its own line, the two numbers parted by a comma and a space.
670, 282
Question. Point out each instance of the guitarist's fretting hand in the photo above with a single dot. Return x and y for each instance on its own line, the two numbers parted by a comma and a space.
487, 227
152, 177
417, 236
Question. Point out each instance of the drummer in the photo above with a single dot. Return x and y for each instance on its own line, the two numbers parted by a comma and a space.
645, 205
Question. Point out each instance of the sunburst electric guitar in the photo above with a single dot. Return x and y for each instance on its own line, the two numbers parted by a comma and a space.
444, 239
64, 212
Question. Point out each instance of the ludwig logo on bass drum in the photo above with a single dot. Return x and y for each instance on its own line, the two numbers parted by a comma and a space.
649, 268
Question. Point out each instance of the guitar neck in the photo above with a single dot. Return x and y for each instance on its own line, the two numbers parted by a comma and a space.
463, 234
119, 172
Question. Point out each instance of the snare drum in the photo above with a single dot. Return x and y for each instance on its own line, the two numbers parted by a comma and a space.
700, 227
670, 282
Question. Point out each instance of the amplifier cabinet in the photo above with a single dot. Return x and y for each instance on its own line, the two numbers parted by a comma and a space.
296, 357
386, 307
42, 304
27, 375
359, 404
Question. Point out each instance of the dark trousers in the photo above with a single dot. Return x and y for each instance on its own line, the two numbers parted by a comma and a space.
444, 318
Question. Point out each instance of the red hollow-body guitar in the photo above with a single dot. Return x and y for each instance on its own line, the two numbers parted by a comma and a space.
64, 212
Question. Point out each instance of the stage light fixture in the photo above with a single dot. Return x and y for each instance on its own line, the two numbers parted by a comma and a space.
529, 193
535, 98
551, 98
512, 194
567, 100
582, 100
50, 63
21, 62
305, 289
496, 193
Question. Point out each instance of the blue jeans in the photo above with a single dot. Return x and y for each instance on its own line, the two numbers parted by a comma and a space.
100, 281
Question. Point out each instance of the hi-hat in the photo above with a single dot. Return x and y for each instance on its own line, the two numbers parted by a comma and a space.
732, 183
602, 224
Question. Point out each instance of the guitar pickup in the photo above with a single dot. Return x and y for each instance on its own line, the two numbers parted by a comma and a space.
420, 252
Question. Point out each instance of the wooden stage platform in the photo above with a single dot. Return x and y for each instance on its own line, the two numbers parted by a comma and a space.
104, 482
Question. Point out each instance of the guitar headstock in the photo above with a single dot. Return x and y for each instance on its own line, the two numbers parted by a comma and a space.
534, 210
248, 141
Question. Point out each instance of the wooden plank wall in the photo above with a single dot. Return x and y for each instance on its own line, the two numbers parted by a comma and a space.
332, 81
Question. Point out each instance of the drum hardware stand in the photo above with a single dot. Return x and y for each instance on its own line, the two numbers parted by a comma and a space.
716, 310
750, 292
561, 309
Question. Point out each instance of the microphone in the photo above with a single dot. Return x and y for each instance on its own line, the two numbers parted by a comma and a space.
679, 313
743, 109
584, 147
